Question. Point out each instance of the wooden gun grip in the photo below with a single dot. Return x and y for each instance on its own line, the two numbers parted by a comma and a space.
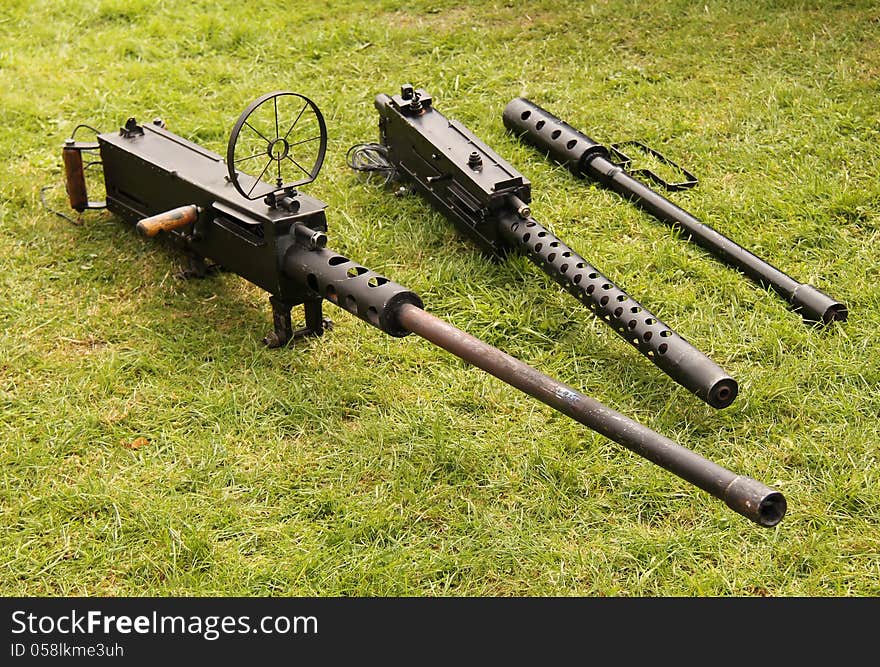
165, 222
74, 177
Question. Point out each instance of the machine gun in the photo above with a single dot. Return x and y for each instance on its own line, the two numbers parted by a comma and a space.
586, 158
275, 236
487, 200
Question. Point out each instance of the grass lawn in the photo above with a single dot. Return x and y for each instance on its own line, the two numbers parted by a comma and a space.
151, 445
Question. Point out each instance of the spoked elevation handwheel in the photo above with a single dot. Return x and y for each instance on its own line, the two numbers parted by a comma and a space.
277, 144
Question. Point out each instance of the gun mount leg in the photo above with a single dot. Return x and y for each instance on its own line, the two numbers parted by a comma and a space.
316, 323
284, 332
196, 267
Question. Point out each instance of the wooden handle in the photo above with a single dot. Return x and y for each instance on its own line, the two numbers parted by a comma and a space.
74, 178
165, 222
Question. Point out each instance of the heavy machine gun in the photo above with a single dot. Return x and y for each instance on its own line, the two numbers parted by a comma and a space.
273, 235
586, 158
488, 201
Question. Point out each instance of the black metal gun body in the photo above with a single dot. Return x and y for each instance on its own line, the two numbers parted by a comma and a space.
487, 200
149, 170
587, 158
168, 186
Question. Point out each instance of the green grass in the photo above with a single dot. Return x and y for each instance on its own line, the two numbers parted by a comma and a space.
363, 465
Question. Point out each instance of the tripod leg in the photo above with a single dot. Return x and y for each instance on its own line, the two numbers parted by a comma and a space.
284, 332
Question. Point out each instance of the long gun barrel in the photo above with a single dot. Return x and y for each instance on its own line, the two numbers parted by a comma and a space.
398, 311
487, 200
744, 495
585, 157
183, 193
